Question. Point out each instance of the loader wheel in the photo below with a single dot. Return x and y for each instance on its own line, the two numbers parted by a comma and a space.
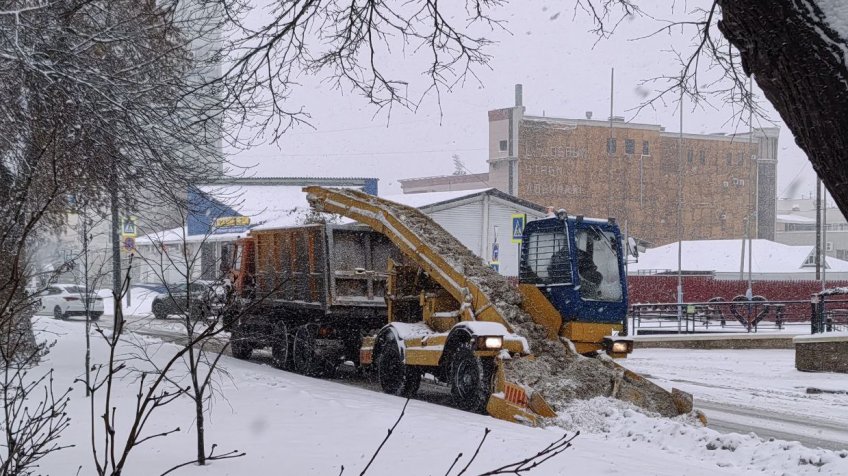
471, 379
280, 354
240, 346
396, 378
305, 357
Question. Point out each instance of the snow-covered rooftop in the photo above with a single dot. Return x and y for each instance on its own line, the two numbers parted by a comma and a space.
724, 256
418, 200
180, 235
791, 218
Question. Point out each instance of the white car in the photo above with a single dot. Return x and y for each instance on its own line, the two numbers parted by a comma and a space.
65, 300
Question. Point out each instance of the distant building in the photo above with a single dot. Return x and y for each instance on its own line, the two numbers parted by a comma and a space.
445, 183
796, 225
629, 171
478, 219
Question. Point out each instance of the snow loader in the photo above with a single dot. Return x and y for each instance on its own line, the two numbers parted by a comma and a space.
450, 316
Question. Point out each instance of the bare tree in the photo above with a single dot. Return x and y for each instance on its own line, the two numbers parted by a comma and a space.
522, 466
157, 387
350, 45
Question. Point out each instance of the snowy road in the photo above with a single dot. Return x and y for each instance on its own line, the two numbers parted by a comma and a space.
740, 391
754, 391
810, 431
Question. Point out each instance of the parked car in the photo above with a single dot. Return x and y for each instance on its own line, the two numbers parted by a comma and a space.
66, 300
207, 298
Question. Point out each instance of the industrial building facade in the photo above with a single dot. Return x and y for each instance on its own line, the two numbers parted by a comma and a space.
630, 172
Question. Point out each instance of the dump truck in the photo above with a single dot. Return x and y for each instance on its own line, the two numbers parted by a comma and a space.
445, 313
316, 290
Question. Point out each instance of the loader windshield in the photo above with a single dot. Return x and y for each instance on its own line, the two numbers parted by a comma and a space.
546, 258
597, 265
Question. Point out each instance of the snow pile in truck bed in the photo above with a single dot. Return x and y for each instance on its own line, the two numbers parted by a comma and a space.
558, 372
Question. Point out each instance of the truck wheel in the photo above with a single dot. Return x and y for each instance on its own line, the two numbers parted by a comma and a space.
396, 378
305, 357
240, 346
280, 346
471, 379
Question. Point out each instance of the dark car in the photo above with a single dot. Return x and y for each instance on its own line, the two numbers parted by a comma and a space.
206, 299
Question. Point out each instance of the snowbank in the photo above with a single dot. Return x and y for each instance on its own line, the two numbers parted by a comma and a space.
294, 425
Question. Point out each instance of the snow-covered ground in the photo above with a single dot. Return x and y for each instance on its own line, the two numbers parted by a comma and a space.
290, 424
757, 387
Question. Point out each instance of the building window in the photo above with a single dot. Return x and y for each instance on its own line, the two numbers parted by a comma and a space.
702, 157
646, 150
689, 156
741, 158
629, 146
504, 145
610, 146
728, 157
810, 261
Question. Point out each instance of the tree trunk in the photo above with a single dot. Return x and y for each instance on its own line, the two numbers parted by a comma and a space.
201, 444
800, 64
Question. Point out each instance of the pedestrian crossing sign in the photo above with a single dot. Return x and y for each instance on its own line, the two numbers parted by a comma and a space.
518, 221
128, 229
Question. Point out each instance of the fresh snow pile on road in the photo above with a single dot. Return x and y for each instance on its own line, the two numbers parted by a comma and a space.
294, 425
617, 420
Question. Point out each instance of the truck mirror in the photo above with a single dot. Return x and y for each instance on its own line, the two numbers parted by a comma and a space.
632, 247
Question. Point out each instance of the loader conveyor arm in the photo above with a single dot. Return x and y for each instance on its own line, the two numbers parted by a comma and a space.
382, 216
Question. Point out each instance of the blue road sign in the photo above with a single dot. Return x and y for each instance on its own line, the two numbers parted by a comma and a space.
518, 221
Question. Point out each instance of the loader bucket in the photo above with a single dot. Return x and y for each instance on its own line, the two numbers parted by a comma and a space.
517, 403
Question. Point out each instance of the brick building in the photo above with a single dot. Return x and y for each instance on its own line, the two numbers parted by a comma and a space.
629, 171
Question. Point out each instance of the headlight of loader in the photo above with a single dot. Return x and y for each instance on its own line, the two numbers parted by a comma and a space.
619, 347
490, 342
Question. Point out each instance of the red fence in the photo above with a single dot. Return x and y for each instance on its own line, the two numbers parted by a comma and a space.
663, 289
658, 289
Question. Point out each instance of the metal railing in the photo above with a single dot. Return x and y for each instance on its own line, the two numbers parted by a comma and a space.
829, 311
717, 315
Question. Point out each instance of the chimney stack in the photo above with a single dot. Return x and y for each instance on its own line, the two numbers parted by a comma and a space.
589, 115
519, 96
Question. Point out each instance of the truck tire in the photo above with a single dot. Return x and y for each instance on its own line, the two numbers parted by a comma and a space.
471, 379
396, 378
306, 359
280, 354
240, 346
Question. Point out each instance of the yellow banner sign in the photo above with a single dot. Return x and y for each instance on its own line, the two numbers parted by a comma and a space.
232, 221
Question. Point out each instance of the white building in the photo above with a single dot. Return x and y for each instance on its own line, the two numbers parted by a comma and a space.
477, 218
796, 225
724, 259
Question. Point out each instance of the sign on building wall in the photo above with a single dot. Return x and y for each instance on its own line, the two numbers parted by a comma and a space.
518, 221
232, 224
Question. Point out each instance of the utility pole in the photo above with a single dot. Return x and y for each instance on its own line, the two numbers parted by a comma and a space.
116, 246
818, 228
609, 145
824, 239
680, 217
751, 228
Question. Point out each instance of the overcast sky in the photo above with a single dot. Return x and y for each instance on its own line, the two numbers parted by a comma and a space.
564, 72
